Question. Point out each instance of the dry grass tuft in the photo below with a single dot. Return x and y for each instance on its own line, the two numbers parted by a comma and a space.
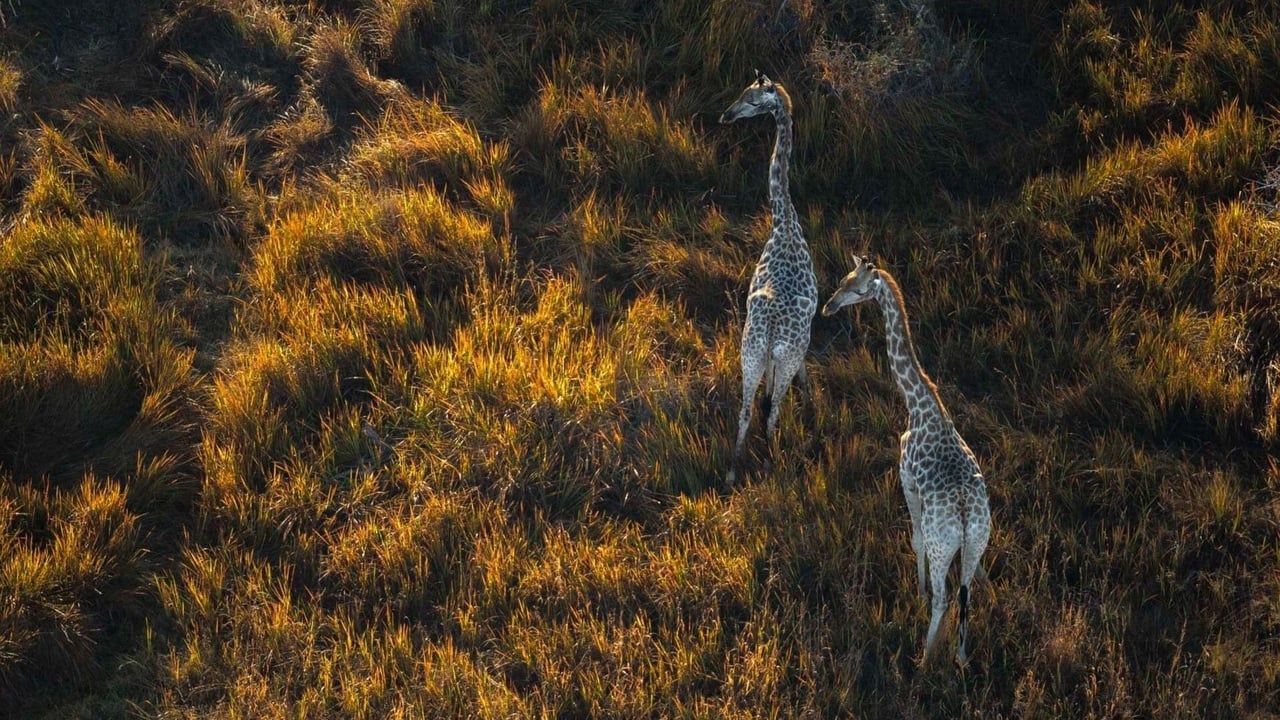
10, 82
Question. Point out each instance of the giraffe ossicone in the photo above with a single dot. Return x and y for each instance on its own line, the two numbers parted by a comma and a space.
945, 492
783, 295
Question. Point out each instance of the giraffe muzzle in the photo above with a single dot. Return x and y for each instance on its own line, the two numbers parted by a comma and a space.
839, 300
832, 307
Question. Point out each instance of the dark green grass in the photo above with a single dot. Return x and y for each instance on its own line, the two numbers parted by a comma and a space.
378, 358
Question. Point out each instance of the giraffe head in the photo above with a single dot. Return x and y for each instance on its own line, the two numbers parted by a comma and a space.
857, 286
760, 97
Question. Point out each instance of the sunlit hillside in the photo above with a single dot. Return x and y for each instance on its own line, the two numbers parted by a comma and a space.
380, 358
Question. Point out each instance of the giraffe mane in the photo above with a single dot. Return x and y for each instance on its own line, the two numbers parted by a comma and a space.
783, 96
893, 286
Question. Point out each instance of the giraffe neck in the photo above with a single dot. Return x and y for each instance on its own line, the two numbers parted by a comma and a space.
919, 392
779, 167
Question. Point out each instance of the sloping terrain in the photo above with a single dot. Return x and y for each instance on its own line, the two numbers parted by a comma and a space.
379, 358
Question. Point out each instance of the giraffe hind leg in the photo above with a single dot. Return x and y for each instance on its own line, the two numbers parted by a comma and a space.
766, 409
807, 402
768, 405
785, 367
940, 557
766, 402
976, 535
752, 372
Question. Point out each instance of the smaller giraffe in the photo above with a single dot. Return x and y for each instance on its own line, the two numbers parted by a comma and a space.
945, 492
784, 292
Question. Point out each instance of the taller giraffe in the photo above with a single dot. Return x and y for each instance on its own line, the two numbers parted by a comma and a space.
945, 492
784, 293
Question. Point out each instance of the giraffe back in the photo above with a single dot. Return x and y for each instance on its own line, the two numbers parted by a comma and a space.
784, 290
944, 469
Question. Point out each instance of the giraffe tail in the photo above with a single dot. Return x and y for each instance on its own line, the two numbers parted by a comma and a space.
766, 399
963, 625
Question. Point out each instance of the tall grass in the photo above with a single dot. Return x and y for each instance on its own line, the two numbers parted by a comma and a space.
378, 358
90, 370
96, 435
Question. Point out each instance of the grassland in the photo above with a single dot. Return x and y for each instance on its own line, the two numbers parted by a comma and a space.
378, 358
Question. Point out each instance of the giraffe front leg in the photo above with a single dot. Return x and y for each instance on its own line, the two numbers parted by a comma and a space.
912, 496
744, 421
922, 563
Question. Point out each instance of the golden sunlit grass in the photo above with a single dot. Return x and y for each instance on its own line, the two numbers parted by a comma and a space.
378, 358
10, 82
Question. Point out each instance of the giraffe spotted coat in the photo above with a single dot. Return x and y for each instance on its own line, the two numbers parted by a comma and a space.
945, 492
784, 292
